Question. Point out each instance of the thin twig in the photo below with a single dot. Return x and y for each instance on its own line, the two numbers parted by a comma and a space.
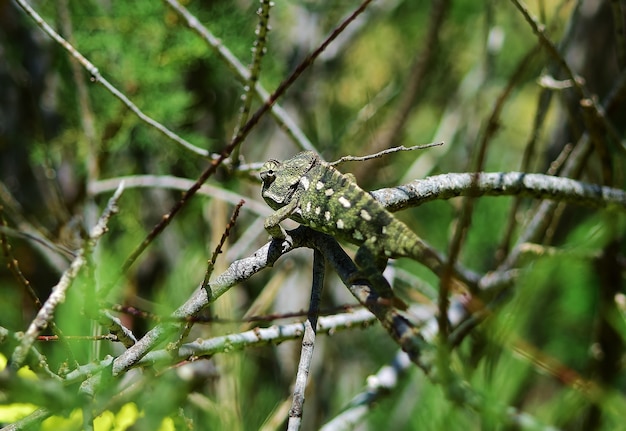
543, 103
218, 248
177, 183
383, 153
237, 272
308, 343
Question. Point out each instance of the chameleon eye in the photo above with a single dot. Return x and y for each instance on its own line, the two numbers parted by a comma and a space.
268, 172
268, 176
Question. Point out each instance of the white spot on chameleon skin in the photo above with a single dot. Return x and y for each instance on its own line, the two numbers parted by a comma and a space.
340, 224
365, 215
327, 215
318, 210
344, 202
357, 235
319, 185
329, 192
308, 206
305, 182
384, 230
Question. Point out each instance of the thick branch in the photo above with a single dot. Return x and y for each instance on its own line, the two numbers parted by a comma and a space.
536, 186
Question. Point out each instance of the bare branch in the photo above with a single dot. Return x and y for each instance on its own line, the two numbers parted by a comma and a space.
537, 186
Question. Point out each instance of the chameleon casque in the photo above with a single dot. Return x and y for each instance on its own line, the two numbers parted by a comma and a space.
312, 192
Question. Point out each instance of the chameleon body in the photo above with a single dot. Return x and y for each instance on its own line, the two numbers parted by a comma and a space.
310, 191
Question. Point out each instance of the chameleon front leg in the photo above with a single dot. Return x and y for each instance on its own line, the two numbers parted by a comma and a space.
272, 222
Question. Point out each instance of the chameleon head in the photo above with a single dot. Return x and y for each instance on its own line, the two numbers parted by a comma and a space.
281, 179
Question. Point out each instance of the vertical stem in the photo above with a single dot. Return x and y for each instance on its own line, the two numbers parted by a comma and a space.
308, 343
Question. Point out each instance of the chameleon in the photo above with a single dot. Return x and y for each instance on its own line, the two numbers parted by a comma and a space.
310, 191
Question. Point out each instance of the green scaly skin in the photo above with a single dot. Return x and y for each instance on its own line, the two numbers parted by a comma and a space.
310, 191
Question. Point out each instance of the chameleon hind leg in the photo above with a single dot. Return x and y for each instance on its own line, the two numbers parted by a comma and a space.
371, 266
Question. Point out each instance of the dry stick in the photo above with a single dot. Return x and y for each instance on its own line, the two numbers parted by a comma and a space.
220, 245
46, 313
382, 153
243, 132
242, 73
308, 343
98, 78
238, 271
